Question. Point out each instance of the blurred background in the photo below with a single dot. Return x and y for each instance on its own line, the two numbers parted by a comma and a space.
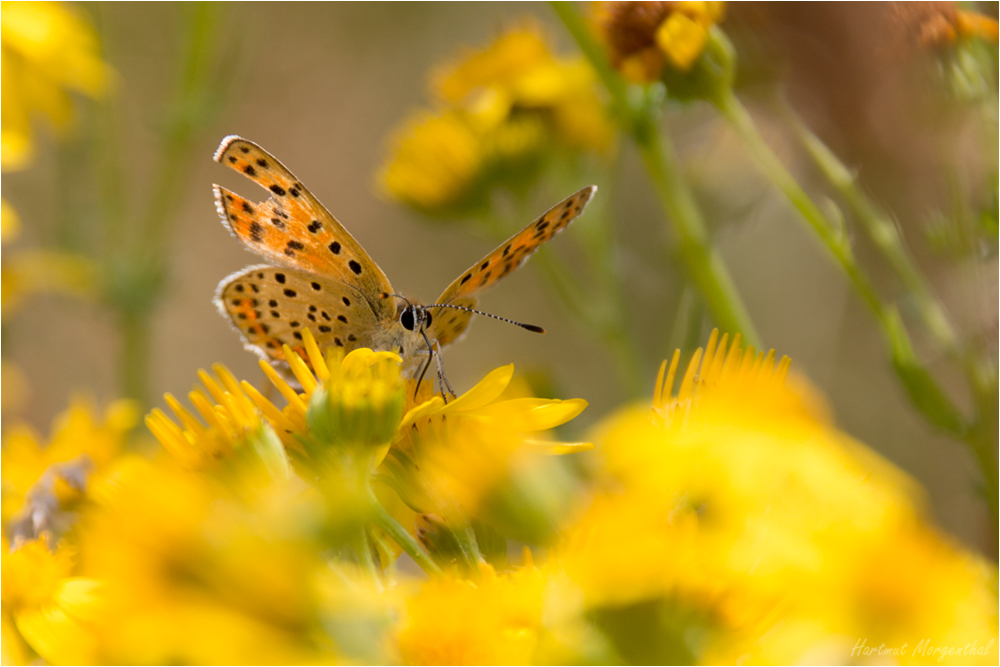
325, 87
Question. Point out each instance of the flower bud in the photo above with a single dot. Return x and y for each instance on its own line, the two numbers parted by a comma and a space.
361, 403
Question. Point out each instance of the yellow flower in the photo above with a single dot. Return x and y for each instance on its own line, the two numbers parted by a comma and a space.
365, 387
360, 402
503, 64
448, 457
356, 397
645, 37
736, 505
40, 480
45, 608
232, 424
34, 271
435, 161
47, 50
495, 619
504, 110
199, 569
517, 75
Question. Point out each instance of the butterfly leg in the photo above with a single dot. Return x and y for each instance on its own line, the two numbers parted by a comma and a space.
423, 371
442, 378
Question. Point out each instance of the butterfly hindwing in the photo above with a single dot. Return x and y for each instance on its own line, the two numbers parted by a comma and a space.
271, 305
446, 327
292, 227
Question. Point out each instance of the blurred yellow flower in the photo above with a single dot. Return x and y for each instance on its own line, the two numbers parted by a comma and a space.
47, 50
44, 607
502, 111
197, 568
728, 522
39, 480
436, 161
645, 37
10, 222
516, 75
494, 619
39, 271
749, 515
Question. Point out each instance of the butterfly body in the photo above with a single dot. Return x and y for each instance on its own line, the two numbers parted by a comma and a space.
319, 277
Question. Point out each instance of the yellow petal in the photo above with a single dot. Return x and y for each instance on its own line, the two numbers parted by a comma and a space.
682, 40
557, 448
487, 391
364, 357
535, 414
56, 636
15, 651
425, 409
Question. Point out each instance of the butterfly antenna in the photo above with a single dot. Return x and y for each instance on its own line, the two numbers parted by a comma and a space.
529, 327
386, 295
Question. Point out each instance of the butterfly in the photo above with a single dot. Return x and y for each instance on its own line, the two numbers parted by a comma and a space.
319, 277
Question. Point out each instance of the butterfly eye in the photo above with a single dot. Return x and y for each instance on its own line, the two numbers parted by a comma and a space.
427, 319
406, 319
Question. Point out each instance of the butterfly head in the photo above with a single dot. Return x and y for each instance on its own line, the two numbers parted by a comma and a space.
411, 316
414, 317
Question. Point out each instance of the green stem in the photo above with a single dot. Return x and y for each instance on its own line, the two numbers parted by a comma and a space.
364, 550
981, 437
831, 235
134, 366
703, 263
405, 541
137, 254
880, 230
196, 101
923, 389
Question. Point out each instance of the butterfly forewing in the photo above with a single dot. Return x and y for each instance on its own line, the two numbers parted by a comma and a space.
496, 265
271, 306
292, 227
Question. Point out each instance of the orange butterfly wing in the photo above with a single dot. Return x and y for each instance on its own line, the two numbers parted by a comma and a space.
448, 324
292, 227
